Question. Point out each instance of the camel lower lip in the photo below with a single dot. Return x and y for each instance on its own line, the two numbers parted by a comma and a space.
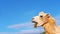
35, 25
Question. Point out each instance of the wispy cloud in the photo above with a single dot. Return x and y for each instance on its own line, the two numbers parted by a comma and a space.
33, 31
28, 24
30, 31
6, 33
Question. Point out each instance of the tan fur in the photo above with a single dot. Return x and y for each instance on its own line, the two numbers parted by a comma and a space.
51, 27
48, 23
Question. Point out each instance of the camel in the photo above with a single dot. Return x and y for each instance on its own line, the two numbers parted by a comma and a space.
47, 22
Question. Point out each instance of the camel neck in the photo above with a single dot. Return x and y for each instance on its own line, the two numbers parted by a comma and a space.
49, 28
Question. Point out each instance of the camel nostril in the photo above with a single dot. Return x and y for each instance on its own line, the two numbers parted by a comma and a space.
33, 21
41, 16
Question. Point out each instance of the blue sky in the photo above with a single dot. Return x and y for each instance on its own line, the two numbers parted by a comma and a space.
16, 15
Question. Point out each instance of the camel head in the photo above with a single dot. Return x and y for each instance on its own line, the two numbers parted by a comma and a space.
41, 19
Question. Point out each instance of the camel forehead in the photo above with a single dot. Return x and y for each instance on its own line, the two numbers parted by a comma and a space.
42, 13
36, 17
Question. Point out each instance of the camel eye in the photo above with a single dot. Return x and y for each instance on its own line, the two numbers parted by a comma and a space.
41, 16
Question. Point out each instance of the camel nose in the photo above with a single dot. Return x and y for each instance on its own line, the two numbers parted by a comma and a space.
33, 18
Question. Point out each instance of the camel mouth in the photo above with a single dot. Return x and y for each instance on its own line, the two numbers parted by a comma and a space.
35, 24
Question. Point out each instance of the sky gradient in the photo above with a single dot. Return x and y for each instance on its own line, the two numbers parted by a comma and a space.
16, 15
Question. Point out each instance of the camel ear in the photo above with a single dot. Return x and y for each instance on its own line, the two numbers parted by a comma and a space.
47, 15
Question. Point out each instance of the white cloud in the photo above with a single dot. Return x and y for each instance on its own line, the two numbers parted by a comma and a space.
29, 32
33, 31
28, 24
6, 33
